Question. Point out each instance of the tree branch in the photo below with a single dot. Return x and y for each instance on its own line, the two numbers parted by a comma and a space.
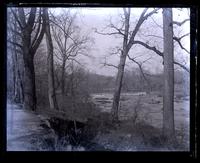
38, 29
160, 53
17, 50
141, 70
66, 34
16, 18
180, 23
119, 30
73, 59
111, 33
156, 23
175, 38
40, 37
146, 60
182, 66
22, 18
153, 36
184, 36
31, 18
149, 47
180, 44
119, 51
142, 18
58, 40
108, 64
60, 59
151, 13
14, 31
14, 43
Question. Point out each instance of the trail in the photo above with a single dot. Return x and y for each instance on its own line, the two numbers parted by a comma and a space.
23, 127
29, 131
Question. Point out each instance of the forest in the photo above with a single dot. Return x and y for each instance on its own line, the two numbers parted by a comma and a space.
98, 79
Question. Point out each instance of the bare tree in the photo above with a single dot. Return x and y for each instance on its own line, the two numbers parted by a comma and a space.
177, 39
16, 59
128, 41
17, 75
51, 88
120, 73
168, 61
31, 33
69, 42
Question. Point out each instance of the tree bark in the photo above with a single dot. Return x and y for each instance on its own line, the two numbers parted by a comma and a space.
120, 73
63, 78
168, 98
17, 89
14, 74
21, 87
29, 81
127, 44
17, 80
51, 87
29, 48
118, 85
29, 72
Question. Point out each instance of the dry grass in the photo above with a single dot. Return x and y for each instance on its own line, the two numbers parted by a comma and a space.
138, 129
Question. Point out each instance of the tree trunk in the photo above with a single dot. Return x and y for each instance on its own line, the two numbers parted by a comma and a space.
72, 80
118, 85
21, 87
51, 87
18, 84
29, 82
14, 74
120, 73
168, 99
17, 89
29, 72
63, 78
28, 55
26, 24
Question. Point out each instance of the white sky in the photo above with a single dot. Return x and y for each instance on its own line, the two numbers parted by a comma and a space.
89, 18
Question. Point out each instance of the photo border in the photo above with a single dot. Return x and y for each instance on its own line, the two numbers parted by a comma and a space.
192, 154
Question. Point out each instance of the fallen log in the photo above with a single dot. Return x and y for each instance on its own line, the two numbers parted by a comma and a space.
62, 115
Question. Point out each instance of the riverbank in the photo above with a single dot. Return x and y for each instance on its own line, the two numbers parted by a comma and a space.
139, 129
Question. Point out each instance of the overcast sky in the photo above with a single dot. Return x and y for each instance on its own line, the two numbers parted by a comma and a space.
90, 18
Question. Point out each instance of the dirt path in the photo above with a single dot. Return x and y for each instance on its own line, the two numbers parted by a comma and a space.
22, 127
29, 131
